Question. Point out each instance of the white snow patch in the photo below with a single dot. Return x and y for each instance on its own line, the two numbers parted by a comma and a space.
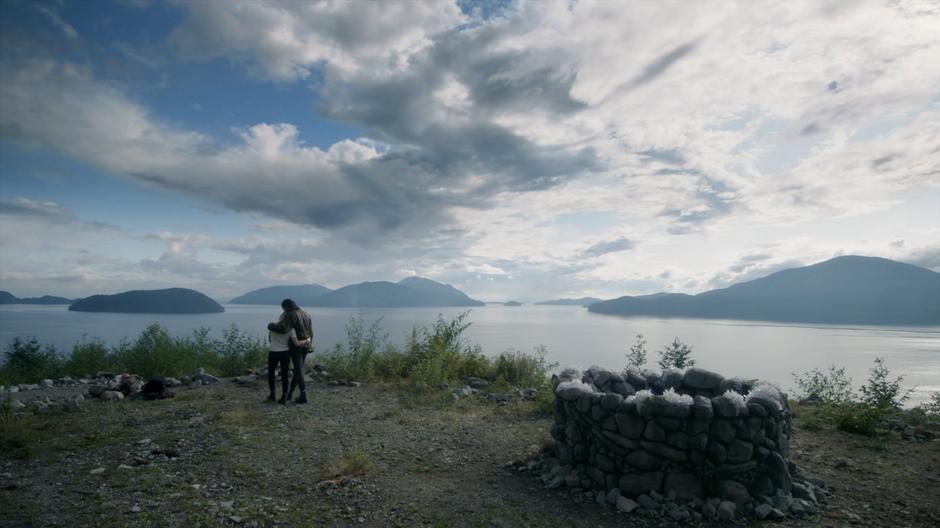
734, 398
675, 398
574, 384
768, 392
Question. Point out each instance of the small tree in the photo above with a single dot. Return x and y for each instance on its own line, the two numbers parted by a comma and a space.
832, 386
881, 392
636, 357
676, 355
933, 406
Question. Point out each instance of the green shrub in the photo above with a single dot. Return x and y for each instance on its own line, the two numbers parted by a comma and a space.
933, 406
859, 418
676, 355
832, 387
525, 370
437, 354
636, 357
88, 358
28, 362
237, 352
155, 353
881, 392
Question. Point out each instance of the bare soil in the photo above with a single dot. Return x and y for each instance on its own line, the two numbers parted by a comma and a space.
371, 456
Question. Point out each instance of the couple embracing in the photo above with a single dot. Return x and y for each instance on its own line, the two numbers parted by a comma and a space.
290, 339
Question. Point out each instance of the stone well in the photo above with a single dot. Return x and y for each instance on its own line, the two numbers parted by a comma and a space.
687, 434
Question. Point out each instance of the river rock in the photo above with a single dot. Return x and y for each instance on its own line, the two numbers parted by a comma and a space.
686, 486
734, 491
112, 395
636, 484
626, 505
726, 511
739, 451
698, 378
644, 460
630, 426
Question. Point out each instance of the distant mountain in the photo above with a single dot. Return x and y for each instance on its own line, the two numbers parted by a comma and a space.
583, 301
843, 290
168, 301
302, 294
410, 292
8, 298
512, 303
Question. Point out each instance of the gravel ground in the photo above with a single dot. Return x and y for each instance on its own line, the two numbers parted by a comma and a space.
367, 456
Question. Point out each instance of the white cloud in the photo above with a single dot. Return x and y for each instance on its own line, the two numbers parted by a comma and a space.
540, 145
284, 41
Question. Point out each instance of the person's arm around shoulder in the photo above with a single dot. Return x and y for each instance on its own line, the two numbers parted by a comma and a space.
298, 342
281, 326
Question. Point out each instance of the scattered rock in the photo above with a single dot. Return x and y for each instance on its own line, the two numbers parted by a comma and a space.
726, 511
112, 395
626, 505
477, 383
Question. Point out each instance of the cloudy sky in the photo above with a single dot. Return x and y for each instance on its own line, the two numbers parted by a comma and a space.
524, 150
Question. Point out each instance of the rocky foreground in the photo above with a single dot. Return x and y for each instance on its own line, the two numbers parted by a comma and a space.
216, 454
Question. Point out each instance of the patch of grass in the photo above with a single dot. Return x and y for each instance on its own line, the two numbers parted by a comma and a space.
351, 464
240, 416
18, 437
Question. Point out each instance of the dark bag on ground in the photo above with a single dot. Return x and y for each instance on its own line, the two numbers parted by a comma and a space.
156, 389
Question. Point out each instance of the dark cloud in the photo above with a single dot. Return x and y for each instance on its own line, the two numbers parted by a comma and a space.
743, 272
670, 156
48, 212
928, 257
660, 64
711, 199
878, 162
810, 129
609, 246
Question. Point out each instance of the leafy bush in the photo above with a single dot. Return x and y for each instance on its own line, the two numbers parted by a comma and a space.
933, 406
676, 355
28, 362
831, 387
881, 392
524, 370
636, 357
237, 352
859, 418
88, 358
438, 352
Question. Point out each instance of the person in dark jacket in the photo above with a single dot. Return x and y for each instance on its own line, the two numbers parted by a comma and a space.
294, 318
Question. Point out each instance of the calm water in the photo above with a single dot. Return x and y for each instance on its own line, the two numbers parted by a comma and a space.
571, 334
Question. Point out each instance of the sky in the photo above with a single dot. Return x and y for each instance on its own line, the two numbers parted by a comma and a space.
523, 150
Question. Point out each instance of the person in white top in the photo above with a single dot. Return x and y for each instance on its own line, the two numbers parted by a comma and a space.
279, 346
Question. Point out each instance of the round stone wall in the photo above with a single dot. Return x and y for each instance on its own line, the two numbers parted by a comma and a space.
686, 434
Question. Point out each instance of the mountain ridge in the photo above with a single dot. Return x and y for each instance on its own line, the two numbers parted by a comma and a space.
844, 290
580, 301
163, 301
300, 293
8, 298
408, 292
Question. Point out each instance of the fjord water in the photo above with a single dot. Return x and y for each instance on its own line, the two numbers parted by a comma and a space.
572, 336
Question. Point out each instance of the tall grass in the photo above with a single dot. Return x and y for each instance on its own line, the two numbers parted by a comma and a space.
431, 356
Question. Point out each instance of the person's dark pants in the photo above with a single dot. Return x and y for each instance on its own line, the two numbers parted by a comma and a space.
278, 360
298, 356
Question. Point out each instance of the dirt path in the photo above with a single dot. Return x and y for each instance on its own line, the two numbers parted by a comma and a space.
219, 456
